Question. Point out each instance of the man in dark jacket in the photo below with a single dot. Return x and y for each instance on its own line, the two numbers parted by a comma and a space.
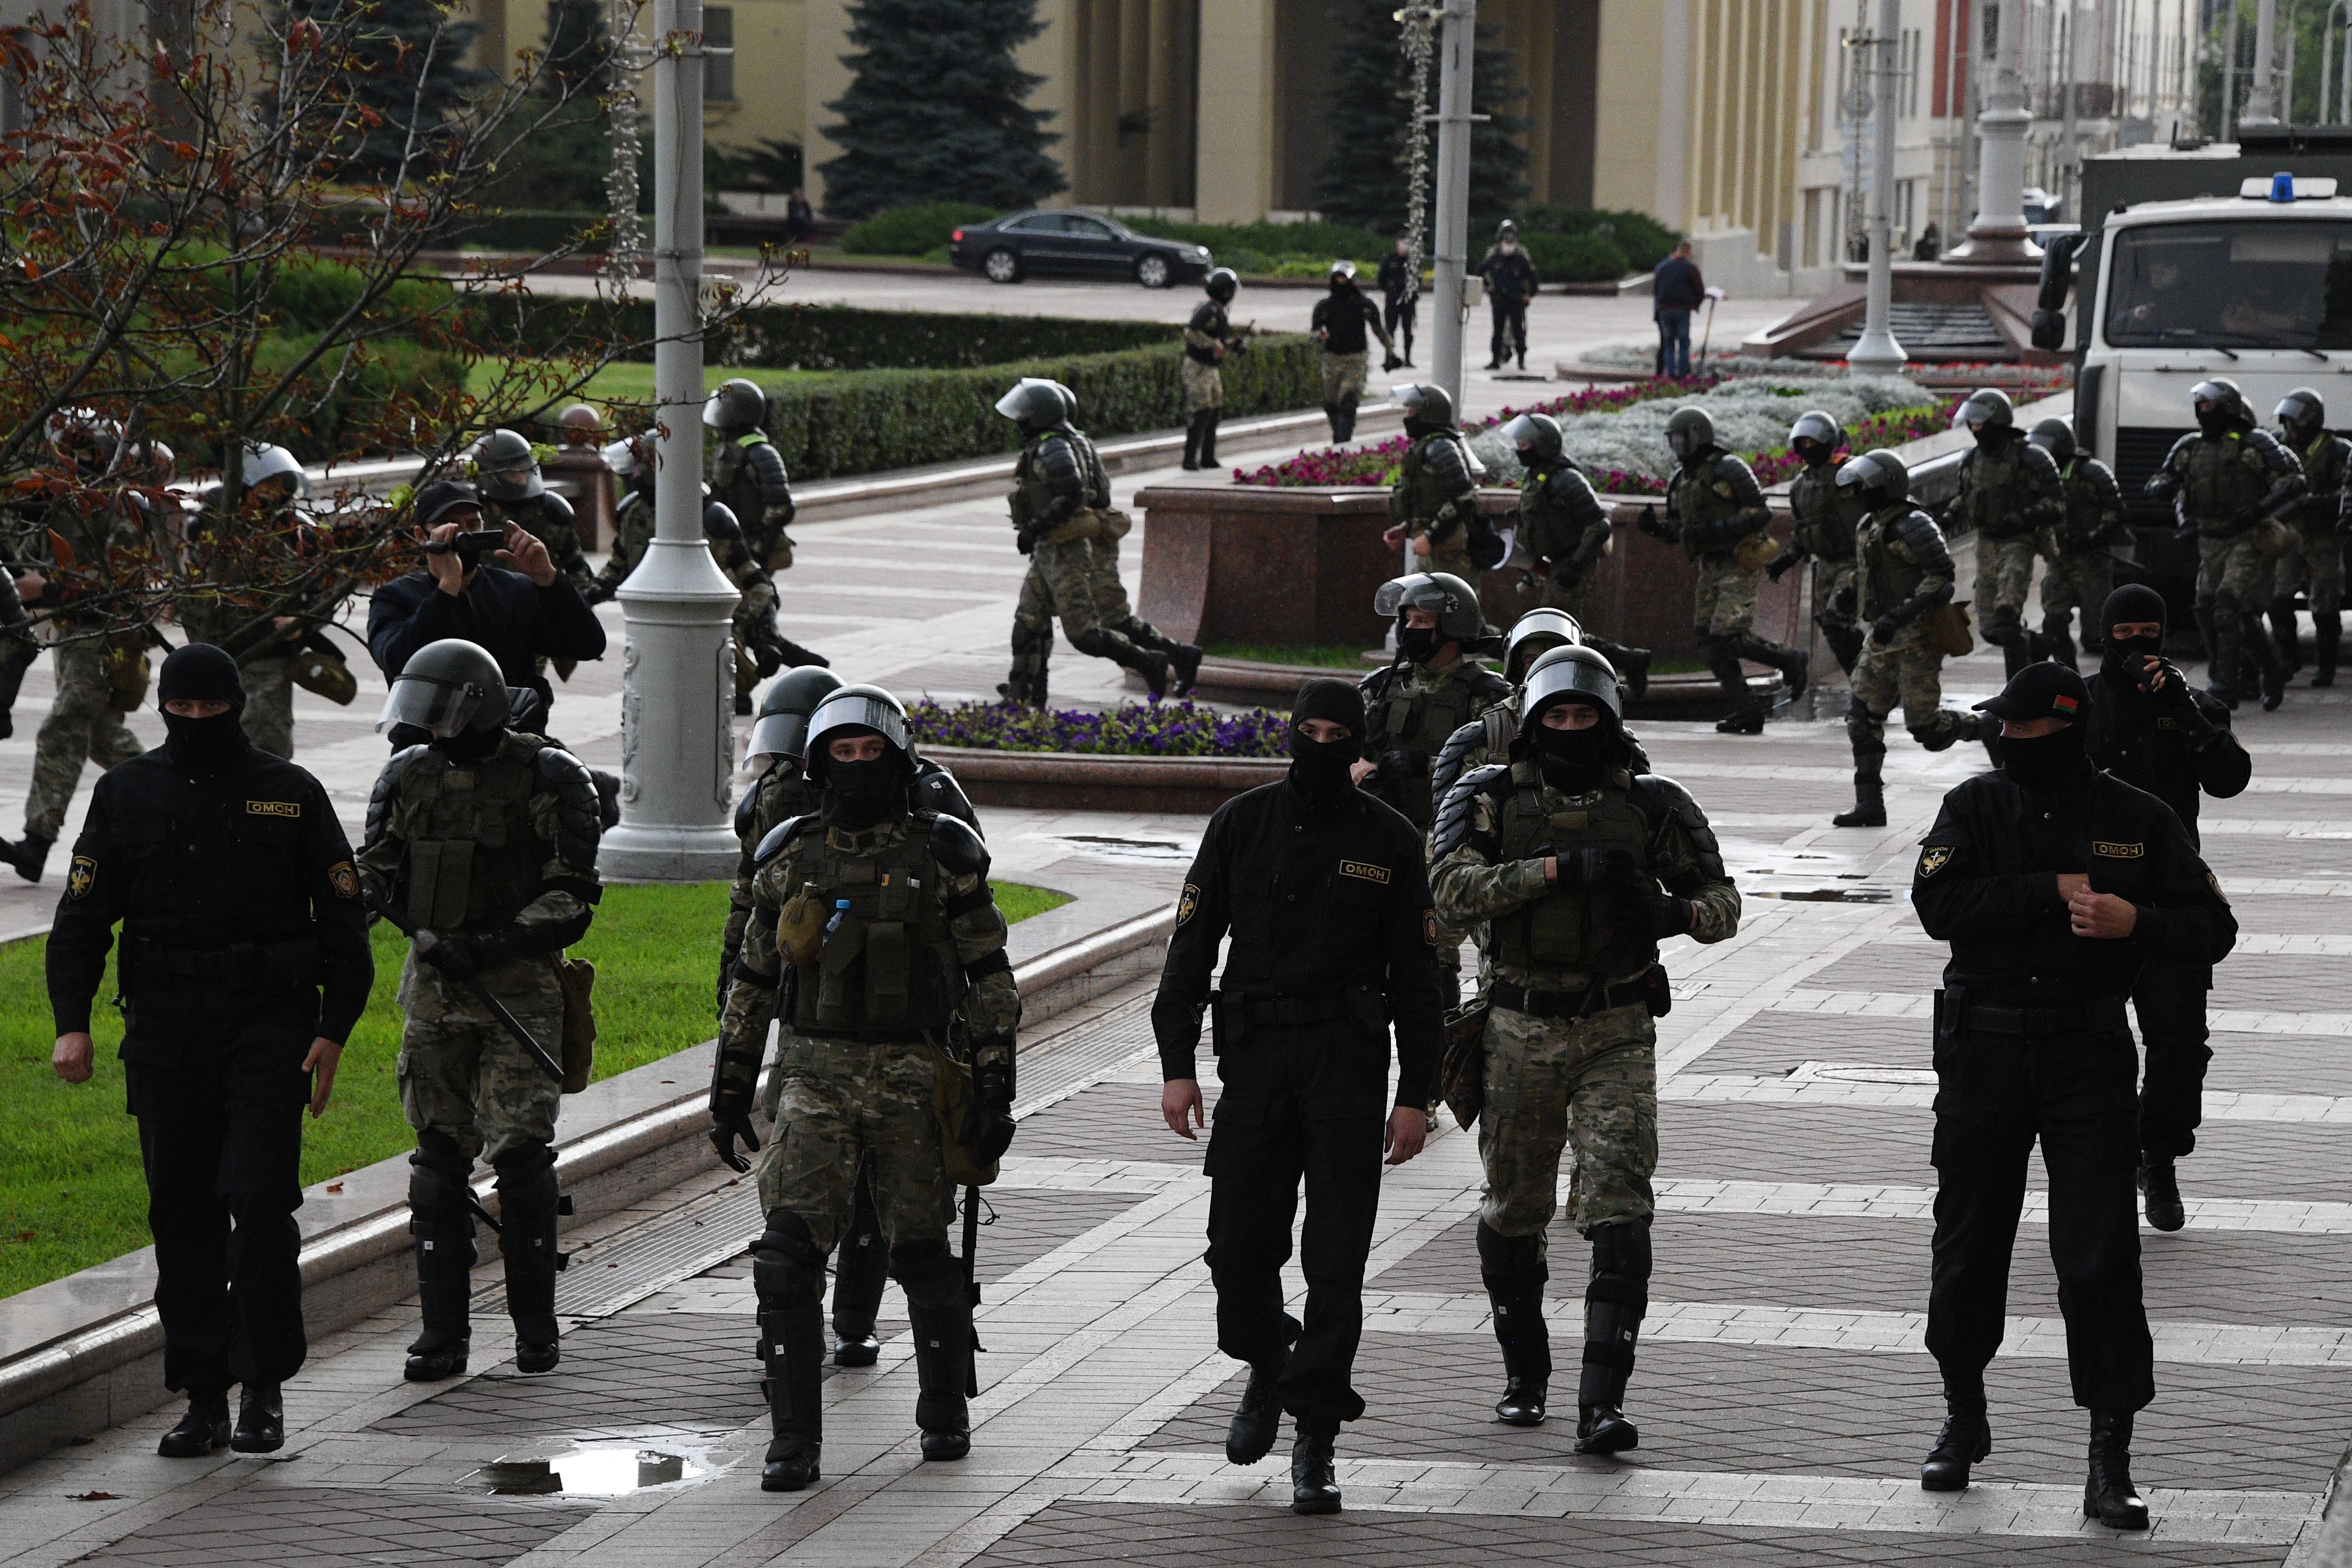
2154, 731
1400, 283
1323, 890
1511, 282
1676, 290
1339, 321
2056, 884
518, 615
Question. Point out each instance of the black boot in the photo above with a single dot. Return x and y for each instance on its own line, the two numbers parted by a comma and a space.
203, 1430
2057, 642
2162, 1187
788, 1273
943, 1368
1251, 1437
1331, 413
29, 854
261, 1420
1210, 419
1314, 1476
1966, 1439
2286, 633
797, 657
1184, 662
1635, 673
1514, 1270
1192, 442
444, 1229
1869, 803
2221, 672
2108, 1496
860, 1269
1746, 718
2327, 633
1615, 1302
1347, 417
1797, 670
528, 1205
1152, 666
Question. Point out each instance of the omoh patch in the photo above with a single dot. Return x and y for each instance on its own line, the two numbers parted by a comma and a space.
1933, 858
1188, 901
2117, 851
1379, 874
82, 878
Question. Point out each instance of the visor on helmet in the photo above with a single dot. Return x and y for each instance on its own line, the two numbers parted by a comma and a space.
1419, 592
853, 709
1583, 675
781, 735
442, 708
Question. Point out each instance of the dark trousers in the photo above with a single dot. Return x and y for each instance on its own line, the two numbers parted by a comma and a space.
1674, 343
1996, 1092
1398, 317
2170, 1002
1510, 328
220, 1135
1298, 1102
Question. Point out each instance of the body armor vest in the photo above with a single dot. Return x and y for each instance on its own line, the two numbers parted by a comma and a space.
2220, 483
1571, 929
1886, 577
1993, 485
1419, 720
1547, 526
1033, 490
474, 857
889, 964
2323, 470
1698, 504
1824, 518
1208, 319
1417, 485
734, 484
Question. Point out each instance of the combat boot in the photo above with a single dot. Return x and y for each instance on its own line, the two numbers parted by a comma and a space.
1635, 670
942, 1337
796, 657
1797, 671
2286, 633
1514, 1270
2057, 642
445, 1280
2223, 671
1192, 442
2326, 635
1251, 1435
2108, 1495
1347, 417
1314, 1472
1747, 721
795, 1386
261, 1420
1869, 803
1966, 1439
1152, 666
203, 1430
860, 1269
28, 855
1185, 660
1615, 1302
2162, 1187
1210, 419
529, 1205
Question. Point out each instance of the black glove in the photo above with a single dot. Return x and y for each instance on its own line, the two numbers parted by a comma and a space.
1396, 767
730, 1118
1025, 540
2175, 690
1392, 361
1780, 564
1660, 913
596, 592
461, 956
2012, 522
768, 656
989, 1126
1843, 601
1882, 630
1598, 868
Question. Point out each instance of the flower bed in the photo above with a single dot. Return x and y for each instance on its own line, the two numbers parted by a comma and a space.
1779, 464
1158, 729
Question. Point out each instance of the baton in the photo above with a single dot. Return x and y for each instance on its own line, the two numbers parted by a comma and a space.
426, 942
972, 1286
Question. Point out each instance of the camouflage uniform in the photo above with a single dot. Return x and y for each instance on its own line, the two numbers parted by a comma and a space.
746, 476
503, 847
1903, 568
1570, 1041
1204, 383
1113, 609
1713, 507
547, 518
2009, 492
1561, 522
2316, 554
1060, 497
1434, 491
2082, 573
84, 721
2224, 487
1823, 519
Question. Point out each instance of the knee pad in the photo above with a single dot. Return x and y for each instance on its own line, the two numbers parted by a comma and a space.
1028, 639
527, 1185
931, 1276
1510, 1264
436, 1200
524, 1161
1094, 642
1620, 1265
787, 1265
1866, 729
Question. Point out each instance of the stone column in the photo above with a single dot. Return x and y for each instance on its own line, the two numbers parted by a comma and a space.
1998, 236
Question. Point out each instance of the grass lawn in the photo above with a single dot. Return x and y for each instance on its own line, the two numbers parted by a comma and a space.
1333, 656
633, 382
71, 1193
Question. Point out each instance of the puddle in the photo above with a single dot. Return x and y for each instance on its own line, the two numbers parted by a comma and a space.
1825, 894
597, 1472
1161, 849
1855, 1072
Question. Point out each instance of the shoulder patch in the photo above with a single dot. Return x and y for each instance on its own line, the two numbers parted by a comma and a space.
274, 808
2117, 851
1365, 872
1429, 926
343, 880
82, 878
2215, 883
1187, 903
1933, 858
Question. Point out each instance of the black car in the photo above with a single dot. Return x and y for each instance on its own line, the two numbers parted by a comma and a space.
1007, 249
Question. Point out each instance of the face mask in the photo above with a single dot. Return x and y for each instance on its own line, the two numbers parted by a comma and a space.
2213, 422
1418, 644
1319, 767
1569, 758
1339, 285
204, 745
2037, 762
1813, 453
467, 745
862, 791
1990, 435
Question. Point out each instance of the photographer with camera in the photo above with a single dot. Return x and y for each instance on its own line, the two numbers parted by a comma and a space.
495, 588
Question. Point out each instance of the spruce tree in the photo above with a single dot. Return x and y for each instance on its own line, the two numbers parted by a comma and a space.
935, 110
1363, 182
412, 72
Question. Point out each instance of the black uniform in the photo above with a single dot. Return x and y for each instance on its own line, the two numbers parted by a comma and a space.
504, 612
1399, 285
1327, 903
2173, 749
1510, 283
1345, 314
2031, 1041
243, 939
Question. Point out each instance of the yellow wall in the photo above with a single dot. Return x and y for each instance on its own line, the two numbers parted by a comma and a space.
1625, 160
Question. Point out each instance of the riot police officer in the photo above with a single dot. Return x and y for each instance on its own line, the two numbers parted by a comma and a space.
1059, 502
1902, 572
1339, 322
1209, 337
2055, 884
1511, 282
1434, 687
2081, 573
2315, 556
1824, 518
244, 965
1435, 501
747, 473
1717, 512
2149, 728
1113, 609
1322, 889
2227, 480
2009, 491
1560, 523
1581, 867
876, 936
218, 550
482, 840
506, 475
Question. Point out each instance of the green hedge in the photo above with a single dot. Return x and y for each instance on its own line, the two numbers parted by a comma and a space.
912, 231
1327, 241
1642, 239
878, 419
847, 338
1577, 258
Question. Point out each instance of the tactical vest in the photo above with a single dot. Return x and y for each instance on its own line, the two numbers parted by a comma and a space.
782, 794
1885, 575
1032, 491
2220, 484
1416, 485
1210, 320
473, 859
1546, 526
889, 966
1825, 518
1994, 484
1696, 502
1418, 720
2086, 507
732, 482
2323, 472
1572, 930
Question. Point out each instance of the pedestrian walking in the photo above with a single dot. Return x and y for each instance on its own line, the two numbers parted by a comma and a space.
1677, 288
1322, 890
1399, 285
244, 965
2055, 884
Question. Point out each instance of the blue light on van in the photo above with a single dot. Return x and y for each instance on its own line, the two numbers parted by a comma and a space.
2282, 187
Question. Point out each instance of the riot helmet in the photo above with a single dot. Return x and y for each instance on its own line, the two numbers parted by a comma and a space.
1988, 409
84, 437
578, 427
1689, 432
506, 468
1453, 602
1222, 285
1572, 674
1343, 274
2304, 410
2057, 437
1815, 437
273, 471
1879, 476
1536, 435
1035, 404
1507, 233
1426, 406
448, 688
781, 729
2220, 406
1536, 633
738, 405
852, 710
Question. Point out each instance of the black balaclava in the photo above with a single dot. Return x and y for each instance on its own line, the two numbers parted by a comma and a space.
468, 745
1319, 769
2133, 602
1816, 453
2052, 761
864, 793
2214, 421
1418, 644
1991, 436
1573, 759
202, 672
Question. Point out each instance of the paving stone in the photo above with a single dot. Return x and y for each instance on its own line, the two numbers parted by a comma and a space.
278, 1526
638, 1375
1116, 1121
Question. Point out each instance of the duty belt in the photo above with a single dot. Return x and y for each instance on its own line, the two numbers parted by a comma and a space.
2101, 1013
1294, 1012
1565, 1004
241, 965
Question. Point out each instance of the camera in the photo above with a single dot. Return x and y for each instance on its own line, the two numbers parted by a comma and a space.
471, 546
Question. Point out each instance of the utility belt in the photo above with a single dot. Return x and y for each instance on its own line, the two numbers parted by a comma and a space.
1235, 1016
241, 967
1200, 356
1956, 1015
1650, 988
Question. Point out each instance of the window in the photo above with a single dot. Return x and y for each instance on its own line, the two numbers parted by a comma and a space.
1038, 224
1089, 228
718, 70
2238, 285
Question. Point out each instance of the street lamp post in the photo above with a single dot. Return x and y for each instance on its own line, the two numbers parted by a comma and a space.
1459, 41
677, 740
1876, 353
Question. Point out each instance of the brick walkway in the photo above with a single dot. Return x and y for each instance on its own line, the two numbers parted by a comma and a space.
1782, 1392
